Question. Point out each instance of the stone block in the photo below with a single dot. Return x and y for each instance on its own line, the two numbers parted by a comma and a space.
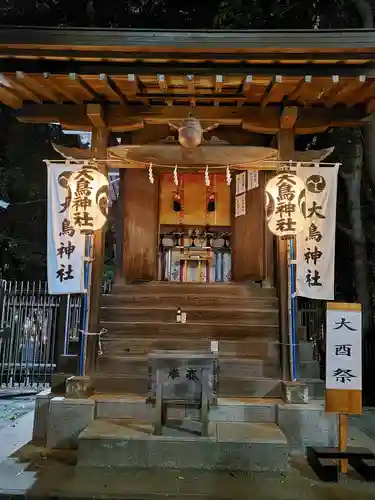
79, 387
66, 420
58, 383
295, 392
308, 369
305, 351
307, 425
316, 388
243, 412
118, 408
229, 446
42, 404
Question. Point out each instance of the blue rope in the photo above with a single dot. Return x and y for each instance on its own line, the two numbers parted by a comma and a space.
84, 315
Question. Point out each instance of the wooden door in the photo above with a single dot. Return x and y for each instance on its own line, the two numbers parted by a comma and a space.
248, 235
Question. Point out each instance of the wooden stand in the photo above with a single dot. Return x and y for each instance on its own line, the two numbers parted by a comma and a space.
343, 441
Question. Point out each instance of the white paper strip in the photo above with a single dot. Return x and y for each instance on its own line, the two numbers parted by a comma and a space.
315, 277
240, 205
65, 246
241, 183
344, 349
252, 179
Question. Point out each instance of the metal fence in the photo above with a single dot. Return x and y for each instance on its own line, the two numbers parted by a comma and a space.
311, 324
29, 321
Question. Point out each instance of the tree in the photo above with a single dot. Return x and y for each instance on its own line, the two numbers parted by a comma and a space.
23, 184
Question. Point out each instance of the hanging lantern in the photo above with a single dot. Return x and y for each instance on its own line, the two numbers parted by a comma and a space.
285, 204
211, 204
88, 207
177, 207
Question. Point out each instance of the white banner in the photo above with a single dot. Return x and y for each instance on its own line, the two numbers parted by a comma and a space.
344, 347
65, 245
316, 244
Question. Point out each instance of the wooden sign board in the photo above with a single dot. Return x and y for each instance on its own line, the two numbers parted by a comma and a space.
344, 358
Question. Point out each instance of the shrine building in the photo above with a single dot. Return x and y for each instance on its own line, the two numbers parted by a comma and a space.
178, 116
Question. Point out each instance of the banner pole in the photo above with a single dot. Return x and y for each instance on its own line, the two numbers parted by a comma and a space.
290, 330
292, 261
86, 305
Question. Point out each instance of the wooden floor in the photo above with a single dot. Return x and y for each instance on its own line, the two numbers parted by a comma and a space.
142, 318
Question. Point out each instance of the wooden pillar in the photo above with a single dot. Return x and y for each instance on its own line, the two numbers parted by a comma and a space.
140, 209
269, 248
248, 234
120, 227
140, 244
99, 146
286, 150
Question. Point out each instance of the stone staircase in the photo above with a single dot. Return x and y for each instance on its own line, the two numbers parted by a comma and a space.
141, 318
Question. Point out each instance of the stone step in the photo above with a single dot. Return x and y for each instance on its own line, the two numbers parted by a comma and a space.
200, 330
232, 368
203, 289
228, 387
252, 348
230, 446
227, 410
174, 301
168, 314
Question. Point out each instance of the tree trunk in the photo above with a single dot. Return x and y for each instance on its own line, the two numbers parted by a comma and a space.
352, 175
365, 10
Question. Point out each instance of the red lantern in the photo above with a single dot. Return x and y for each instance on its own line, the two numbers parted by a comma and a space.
177, 206
211, 205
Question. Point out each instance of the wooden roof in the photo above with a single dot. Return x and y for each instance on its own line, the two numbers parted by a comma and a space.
141, 69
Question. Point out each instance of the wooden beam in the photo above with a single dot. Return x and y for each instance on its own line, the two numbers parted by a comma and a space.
253, 118
163, 85
293, 96
203, 67
245, 90
137, 87
191, 89
288, 117
343, 90
271, 90
219, 79
10, 97
366, 95
36, 88
83, 87
19, 88
95, 113
113, 86
57, 87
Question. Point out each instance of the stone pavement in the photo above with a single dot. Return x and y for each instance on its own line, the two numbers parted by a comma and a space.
33, 472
